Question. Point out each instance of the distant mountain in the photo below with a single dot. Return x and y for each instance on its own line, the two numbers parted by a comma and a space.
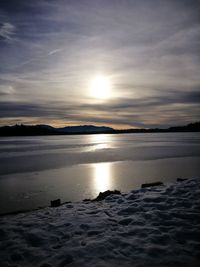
28, 130
85, 129
192, 127
23, 130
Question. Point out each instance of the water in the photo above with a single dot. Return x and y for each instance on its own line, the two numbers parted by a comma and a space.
35, 170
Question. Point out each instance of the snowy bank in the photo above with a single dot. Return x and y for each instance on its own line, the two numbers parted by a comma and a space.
158, 226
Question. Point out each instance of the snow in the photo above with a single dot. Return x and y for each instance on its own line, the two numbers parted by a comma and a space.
157, 226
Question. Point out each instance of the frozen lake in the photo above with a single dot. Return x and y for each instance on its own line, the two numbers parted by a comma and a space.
35, 170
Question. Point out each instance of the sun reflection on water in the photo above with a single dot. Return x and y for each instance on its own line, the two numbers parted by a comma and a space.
99, 141
102, 176
101, 171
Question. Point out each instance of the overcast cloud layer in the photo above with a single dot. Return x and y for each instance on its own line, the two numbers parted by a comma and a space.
50, 50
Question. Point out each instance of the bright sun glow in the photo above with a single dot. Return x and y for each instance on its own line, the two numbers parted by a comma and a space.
100, 87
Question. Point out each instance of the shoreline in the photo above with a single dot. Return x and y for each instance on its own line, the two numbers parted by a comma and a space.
154, 226
88, 200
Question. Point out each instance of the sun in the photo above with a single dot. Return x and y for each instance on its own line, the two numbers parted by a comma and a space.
100, 87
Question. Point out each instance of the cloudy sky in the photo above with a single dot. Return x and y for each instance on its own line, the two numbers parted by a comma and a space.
146, 53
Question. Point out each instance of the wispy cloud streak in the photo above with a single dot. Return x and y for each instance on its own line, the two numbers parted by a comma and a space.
7, 31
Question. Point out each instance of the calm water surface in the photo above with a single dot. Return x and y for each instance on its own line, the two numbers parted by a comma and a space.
35, 170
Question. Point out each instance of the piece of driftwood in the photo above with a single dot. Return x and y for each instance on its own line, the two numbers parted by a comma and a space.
151, 184
181, 179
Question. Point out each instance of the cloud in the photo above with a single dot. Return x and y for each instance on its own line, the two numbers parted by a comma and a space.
54, 52
6, 90
36, 59
149, 49
7, 30
143, 112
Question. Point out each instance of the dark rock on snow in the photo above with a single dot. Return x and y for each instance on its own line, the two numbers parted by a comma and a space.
105, 194
55, 203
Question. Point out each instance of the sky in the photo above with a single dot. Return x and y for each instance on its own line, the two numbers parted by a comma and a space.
145, 55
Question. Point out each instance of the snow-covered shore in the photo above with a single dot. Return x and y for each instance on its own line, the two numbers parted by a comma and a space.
158, 226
